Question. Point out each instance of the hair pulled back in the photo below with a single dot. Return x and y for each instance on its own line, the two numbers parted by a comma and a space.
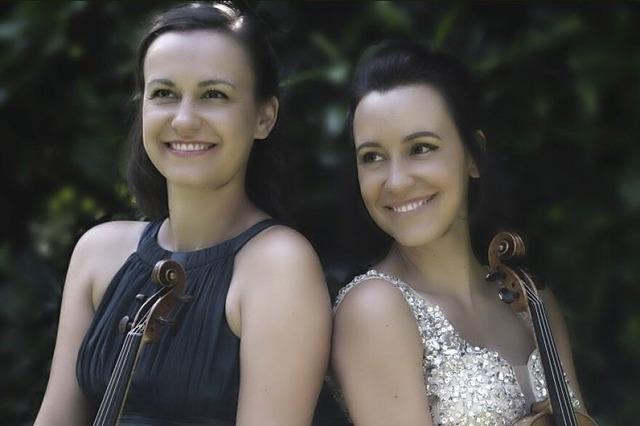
392, 64
146, 184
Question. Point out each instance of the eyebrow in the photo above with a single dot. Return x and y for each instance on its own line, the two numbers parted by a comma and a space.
421, 134
204, 83
410, 137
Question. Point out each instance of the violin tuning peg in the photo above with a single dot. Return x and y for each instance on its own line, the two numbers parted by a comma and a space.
185, 299
140, 297
124, 325
165, 321
494, 276
507, 296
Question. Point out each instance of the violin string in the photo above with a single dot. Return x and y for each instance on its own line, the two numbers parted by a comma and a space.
106, 399
562, 384
116, 375
556, 366
115, 381
552, 373
549, 337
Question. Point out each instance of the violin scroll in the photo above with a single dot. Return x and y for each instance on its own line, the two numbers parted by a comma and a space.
169, 273
505, 246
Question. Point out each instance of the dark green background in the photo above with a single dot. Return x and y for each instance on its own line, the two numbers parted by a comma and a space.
561, 91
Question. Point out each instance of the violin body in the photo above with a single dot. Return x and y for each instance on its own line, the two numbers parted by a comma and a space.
520, 291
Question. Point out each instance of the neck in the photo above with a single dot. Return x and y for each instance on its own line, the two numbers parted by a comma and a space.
445, 267
202, 217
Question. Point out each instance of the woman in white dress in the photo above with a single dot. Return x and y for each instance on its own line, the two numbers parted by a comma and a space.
422, 338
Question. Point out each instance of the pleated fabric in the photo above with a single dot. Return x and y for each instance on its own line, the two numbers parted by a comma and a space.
191, 374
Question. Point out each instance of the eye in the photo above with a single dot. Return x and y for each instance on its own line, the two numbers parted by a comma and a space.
161, 93
370, 157
214, 94
422, 148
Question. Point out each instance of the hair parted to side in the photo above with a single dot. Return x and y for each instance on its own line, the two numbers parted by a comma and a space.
146, 184
395, 63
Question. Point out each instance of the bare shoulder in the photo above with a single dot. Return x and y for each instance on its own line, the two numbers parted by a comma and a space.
374, 301
109, 242
103, 249
97, 256
278, 243
377, 356
114, 234
282, 313
375, 315
281, 252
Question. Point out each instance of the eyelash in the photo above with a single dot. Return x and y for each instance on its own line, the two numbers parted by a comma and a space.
372, 156
218, 93
429, 147
366, 157
166, 93
158, 93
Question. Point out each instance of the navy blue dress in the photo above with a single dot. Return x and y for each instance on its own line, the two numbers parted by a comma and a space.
191, 375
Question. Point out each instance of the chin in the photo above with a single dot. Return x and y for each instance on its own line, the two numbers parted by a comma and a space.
191, 180
411, 237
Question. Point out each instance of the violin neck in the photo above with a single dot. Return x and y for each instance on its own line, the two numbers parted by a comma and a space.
557, 388
114, 397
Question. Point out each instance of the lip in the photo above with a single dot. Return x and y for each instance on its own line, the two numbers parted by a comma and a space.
410, 206
189, 148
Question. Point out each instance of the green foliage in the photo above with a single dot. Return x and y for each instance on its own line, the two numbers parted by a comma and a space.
561, 109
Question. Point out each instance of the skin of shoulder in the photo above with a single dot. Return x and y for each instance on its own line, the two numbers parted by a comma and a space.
285, 328
561, 337
377, 357
96, 258
105, 249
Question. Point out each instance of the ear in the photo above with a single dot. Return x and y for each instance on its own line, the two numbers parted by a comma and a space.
473, 167
267, 115
481, 139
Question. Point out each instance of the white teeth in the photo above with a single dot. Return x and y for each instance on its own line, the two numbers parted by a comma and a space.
411, 206
186, 147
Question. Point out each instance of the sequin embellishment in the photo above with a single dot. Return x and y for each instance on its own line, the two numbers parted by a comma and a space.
465, 384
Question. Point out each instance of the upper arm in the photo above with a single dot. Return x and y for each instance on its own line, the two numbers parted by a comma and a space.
377, 357
285, 329
561, 337
63, 402
96, 258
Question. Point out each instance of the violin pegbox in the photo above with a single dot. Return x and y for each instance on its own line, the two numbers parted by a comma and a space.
505, 246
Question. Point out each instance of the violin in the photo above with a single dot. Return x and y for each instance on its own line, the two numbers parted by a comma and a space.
520, 291
144, 329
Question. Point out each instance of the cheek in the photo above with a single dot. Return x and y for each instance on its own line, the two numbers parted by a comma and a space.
152, 120
237, 122
369, 186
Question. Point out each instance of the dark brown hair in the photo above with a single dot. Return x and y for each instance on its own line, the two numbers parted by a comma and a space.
146, 183
391, 64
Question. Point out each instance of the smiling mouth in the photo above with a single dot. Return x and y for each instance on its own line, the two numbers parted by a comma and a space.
189, 147
411, 206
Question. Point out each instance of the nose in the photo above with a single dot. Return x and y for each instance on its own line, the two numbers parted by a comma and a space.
399, 178
186, 120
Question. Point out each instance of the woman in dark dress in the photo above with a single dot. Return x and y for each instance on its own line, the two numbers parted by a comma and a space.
252, 346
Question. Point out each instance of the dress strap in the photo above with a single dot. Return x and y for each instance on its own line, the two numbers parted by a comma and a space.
149, 232
239, 241
409, 294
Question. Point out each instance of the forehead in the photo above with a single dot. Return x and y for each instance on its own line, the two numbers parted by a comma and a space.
400, 111
197, 55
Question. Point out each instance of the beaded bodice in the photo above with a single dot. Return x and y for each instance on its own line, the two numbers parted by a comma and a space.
465, 384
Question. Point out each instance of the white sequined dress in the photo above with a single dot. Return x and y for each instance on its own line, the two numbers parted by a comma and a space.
465, 384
